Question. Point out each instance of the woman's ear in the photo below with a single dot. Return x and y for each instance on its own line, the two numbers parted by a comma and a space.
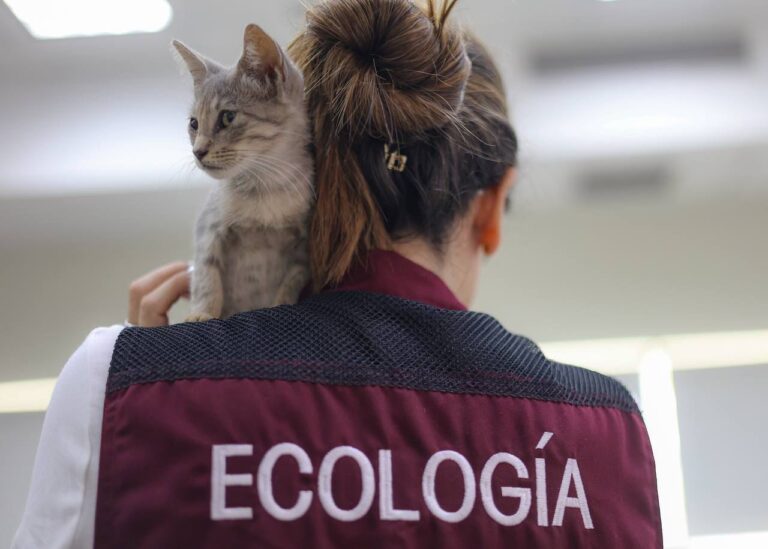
489, 213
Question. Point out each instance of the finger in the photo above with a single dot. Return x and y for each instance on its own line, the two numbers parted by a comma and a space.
144, 285
154, 306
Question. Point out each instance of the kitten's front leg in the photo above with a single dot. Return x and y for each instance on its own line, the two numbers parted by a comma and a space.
207, 291
295, 280
207, 297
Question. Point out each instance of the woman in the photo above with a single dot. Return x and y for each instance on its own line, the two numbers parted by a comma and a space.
378, 412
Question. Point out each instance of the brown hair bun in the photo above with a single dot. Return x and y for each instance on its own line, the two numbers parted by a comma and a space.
388, 72
385, 68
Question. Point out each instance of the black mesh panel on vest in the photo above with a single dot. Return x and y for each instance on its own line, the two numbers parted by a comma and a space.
361, 339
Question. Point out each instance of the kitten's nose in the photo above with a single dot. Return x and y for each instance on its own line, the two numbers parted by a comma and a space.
200, 153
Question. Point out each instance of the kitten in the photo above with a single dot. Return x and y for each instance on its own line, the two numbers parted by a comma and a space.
249, 129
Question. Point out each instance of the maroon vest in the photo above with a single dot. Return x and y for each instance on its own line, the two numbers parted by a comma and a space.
380, 414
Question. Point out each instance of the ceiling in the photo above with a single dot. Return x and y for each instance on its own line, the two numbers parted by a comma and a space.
660, 85
525, 27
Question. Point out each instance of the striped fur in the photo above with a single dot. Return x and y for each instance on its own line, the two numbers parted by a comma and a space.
251, 237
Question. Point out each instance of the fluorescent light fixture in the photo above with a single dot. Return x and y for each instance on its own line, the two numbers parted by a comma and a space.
659, 405
619, 356
740, 540
30, 395
46, 19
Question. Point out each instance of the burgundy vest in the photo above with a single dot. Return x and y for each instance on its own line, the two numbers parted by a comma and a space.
380, 414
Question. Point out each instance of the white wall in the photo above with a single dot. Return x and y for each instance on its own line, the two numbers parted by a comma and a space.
18, 440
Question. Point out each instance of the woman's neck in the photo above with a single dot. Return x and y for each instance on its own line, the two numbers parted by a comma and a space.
457, 265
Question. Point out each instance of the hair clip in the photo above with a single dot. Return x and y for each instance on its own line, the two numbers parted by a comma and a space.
395, 161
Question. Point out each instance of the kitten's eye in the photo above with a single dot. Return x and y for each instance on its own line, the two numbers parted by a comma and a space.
226, 118
193, 124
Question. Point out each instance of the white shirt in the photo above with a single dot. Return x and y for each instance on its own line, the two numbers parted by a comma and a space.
61, 506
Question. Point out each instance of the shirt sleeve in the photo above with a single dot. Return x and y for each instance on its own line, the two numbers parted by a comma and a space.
61, 505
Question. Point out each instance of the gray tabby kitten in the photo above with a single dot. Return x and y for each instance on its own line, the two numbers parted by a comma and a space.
249, 129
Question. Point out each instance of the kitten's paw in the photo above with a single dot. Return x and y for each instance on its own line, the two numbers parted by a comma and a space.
198, 317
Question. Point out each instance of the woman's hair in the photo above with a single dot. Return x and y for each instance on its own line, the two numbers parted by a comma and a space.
409, 118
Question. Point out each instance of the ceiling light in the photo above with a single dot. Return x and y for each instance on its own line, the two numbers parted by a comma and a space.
619, 356
64, 19
29, 395
739, 540
659, 405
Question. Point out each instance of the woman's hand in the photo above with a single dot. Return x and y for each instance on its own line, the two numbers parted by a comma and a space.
152, 295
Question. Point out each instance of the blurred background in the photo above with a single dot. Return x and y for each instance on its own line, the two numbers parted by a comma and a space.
637, 244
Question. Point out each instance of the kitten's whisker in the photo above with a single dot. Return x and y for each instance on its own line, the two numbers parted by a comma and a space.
279, 164
277, 173
285, 164
297, 179
257, 175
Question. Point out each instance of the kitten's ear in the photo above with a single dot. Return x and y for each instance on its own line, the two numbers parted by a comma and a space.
261, 55
196, 63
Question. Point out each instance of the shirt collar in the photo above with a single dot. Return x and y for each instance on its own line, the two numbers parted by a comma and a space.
386, 272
